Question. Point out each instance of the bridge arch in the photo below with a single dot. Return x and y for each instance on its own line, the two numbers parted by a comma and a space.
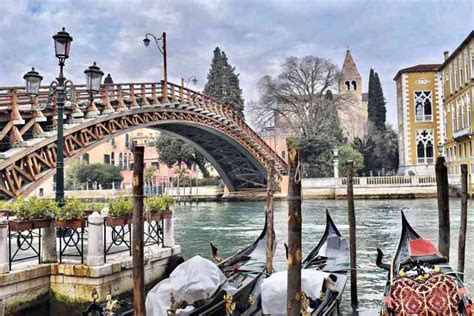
237, 153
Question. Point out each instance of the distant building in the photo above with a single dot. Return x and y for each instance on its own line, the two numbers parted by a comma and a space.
352, 112
420, 127
118, 152
434, 104
457, 72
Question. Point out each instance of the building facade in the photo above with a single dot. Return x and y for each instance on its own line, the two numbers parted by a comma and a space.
352, 112
420, 127
458, 86
118, 152
435, 103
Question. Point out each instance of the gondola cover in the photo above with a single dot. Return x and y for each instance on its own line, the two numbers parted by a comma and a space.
195, 279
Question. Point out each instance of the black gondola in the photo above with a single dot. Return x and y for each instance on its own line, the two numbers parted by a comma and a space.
243, 271
330, 255
420, 280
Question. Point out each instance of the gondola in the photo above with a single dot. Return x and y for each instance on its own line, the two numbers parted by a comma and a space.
331, 256
420, 280
243, 272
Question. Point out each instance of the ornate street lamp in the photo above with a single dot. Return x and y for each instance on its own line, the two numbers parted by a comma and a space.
191, 79
65, 92
440, 150
162, 49
336, 162
32, 82
93, 78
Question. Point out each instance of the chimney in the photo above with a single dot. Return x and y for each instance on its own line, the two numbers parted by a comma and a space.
446, 54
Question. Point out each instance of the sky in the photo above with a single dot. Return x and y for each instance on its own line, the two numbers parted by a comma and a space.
256, 35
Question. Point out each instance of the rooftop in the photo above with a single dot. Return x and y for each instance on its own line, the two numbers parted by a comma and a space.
418, 68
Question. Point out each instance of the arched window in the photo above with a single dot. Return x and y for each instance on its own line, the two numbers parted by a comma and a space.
121, 161
423, 106
348, 85
424, 146
112, 158
354, 85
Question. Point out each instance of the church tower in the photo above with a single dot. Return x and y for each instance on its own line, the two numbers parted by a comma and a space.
350, 80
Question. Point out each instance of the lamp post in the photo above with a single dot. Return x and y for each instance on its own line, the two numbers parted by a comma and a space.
191, 79
440, 150
65, 90
336, 162
162, 49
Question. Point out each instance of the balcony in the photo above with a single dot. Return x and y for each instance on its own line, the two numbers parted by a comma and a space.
462, 133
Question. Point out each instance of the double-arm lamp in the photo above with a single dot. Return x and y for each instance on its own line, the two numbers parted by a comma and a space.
62, 46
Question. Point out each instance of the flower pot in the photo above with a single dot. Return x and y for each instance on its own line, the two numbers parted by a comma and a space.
167, 214
118, 220
20, 225
41, 223
151, 217
72, 223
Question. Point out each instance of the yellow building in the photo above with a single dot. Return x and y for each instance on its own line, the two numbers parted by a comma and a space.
457, 72
420, 127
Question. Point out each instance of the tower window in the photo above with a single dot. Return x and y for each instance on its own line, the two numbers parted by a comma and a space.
424, 146
423, 106
354, 85
348, 85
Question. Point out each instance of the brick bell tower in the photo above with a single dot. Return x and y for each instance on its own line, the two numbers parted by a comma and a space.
350, 80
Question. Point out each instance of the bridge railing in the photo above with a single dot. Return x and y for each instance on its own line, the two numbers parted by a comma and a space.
370, 181
18, 112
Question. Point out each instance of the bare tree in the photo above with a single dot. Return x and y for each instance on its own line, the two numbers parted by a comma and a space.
299, 96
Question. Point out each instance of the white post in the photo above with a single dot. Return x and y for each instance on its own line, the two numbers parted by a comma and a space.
336, 168
95, 248
4, 264
168, 233
48, 244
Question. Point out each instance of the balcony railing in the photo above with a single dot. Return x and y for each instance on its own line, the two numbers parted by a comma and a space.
466, 131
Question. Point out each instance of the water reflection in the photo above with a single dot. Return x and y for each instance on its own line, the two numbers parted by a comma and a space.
231, 226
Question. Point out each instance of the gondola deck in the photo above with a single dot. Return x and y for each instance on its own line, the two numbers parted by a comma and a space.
421, 281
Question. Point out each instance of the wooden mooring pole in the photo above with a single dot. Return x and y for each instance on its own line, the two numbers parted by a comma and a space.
443, 206
137, 243
352, 233
294, 231
463, 227
269, 215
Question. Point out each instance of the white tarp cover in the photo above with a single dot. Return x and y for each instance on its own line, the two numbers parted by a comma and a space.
274, 289
195, 279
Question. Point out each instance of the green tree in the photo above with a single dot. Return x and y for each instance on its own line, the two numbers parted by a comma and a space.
380, 151
376, 103
223, 82
173, 151
345, 153
82, 173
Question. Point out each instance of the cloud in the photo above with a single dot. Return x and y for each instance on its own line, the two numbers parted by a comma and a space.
256, 35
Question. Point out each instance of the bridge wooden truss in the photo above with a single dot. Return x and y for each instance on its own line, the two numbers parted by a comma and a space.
28, 131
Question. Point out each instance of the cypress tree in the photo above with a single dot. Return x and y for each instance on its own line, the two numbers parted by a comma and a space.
371, 106
223, 82
380, 103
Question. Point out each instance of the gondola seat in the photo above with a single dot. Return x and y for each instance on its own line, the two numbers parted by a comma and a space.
422, 247
436, 296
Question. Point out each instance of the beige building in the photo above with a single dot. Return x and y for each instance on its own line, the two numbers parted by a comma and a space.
420, 127
118, 152
457, 72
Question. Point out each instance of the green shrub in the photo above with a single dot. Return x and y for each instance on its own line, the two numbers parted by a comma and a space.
158, 204
73, 209
120, 207
34, 208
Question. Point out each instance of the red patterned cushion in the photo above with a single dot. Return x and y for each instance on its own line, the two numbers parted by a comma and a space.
436, 296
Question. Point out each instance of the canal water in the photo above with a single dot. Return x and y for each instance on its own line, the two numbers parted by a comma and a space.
233, 225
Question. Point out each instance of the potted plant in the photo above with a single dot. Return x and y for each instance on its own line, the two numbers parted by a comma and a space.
92, 207
158, 207
32, 213
71, 215
120, 212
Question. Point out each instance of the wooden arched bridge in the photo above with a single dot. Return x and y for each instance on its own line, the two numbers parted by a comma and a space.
28, 131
